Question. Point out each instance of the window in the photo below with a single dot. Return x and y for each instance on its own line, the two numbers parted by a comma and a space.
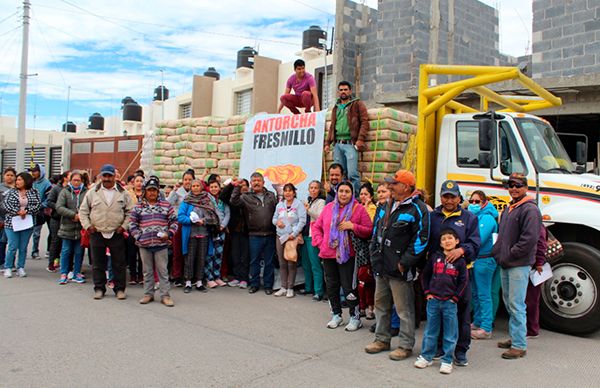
82, 148
104, 146
185, 110
243, 102
327, 90
128, 145
511, 159
467, 144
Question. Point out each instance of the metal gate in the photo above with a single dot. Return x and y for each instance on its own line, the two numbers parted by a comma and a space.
38, 156
55, 161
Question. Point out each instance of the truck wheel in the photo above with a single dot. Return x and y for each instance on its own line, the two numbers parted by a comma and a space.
570, 301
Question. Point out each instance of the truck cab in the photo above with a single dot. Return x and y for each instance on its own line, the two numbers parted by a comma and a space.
568, 198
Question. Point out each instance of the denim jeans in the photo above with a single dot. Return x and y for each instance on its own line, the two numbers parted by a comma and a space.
496, 292
440, 312
483, 274
3, 242
71, 248
347, 156
514, 291
17, 242
262, 248
37, 232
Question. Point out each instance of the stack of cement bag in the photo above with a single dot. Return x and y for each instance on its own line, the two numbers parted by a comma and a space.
206, 143
391, 132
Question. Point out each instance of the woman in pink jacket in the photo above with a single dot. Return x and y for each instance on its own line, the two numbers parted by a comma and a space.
331, 234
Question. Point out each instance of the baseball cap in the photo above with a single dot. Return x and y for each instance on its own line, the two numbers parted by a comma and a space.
153, 182
401, 176
450, 187
518, 177
107, 169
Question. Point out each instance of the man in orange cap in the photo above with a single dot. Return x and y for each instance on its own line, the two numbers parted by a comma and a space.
399, 243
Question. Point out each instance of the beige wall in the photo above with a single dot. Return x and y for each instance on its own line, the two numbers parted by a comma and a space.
202, 96
264, 93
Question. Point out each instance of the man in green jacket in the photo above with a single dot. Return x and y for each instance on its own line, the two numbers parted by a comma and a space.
348, 132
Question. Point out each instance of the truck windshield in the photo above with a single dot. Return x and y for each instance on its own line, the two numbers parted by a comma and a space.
544, 146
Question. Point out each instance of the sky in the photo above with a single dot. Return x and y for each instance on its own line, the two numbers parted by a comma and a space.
85, 55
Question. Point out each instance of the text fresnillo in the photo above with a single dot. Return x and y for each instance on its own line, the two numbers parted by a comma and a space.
292, 130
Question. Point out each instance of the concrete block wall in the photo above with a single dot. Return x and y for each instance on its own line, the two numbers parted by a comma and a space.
566, 37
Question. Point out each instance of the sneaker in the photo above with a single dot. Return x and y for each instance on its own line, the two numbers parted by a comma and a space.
532, 336
35, 256
21, 272
220, 283
147, 299
317, 298
47, 255
438, 356
187, 289
63, 279
98, 294
480, 334
201, 288
211, 284
243, 284
354, 324
336, 321
121, 295
400, 354
111, 284
234, 283
71, 275
422, 363
282, 291
268, 291
252, 290
178, 283
290, 293
8, 273
445, 368
51, 268
377, 347
460, 361
132, 281
370, 314
78, 279
167, 301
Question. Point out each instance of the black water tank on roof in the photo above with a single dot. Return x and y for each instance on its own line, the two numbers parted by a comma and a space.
245, 57
161, 93
132, 111
126, 100
70, 127
96, 121
212, 72
314, 37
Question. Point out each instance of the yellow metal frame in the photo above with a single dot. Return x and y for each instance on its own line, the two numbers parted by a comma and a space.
437, 101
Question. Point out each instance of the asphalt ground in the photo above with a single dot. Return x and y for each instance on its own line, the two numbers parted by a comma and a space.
58, 336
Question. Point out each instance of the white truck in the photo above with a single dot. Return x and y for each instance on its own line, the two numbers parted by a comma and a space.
480, 148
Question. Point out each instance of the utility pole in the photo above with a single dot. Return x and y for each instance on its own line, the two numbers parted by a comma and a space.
162, 94
23, 90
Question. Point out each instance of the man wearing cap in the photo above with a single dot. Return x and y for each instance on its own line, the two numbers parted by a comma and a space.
515, 249
399, 243
348, 132
104, 213
152, 224
43, 187
451, 215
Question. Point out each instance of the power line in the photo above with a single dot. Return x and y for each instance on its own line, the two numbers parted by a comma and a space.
9, 31
50, 50
8, 17
312, 7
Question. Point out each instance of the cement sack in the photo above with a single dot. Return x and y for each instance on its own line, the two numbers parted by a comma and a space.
392, 124
229, 164
174, 139
187, 121
182, 130
235, 120
202, 163
163, 145
173, 123
218, 138
164, 174
171, 153
234, 155
384, 167
180, 160
236, 137
160, 137
205, 147
159, 152
385, 145
194, 154
162, 123
231, 147
389, 113
200, 130
387, 156
165, 131
183, 167
239, 128
182, 144
218, 155
158, 160
173, 168
195, 138
218, 121
226, 130
178, 174
386, 134
212, 131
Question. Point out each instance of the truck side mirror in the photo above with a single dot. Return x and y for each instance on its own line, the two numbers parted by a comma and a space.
486, 134
581, 153
484, 160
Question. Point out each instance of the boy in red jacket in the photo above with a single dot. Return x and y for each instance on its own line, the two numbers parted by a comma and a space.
444, 284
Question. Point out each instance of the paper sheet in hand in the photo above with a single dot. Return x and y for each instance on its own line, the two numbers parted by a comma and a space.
19, 224
194, 217
539, 278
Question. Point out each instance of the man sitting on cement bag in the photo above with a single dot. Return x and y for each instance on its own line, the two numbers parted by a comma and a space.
348, 132
305, 91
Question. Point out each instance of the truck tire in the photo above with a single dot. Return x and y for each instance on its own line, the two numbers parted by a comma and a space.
570, 300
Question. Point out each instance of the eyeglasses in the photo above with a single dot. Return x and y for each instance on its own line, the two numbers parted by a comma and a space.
475, 201
513, 185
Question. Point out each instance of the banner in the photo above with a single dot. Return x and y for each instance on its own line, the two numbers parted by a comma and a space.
285, 149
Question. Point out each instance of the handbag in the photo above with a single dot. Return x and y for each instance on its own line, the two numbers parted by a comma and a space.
361, 250
555, 250
290, 250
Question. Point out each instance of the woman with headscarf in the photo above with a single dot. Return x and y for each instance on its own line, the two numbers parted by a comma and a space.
197, 215
331, 234
311, 264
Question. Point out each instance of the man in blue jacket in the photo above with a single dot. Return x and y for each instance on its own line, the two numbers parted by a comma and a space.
43, 187
450, 215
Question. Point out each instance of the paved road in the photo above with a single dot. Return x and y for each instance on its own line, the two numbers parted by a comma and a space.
55, 336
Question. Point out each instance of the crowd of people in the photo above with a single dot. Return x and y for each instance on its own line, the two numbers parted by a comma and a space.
387, 257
